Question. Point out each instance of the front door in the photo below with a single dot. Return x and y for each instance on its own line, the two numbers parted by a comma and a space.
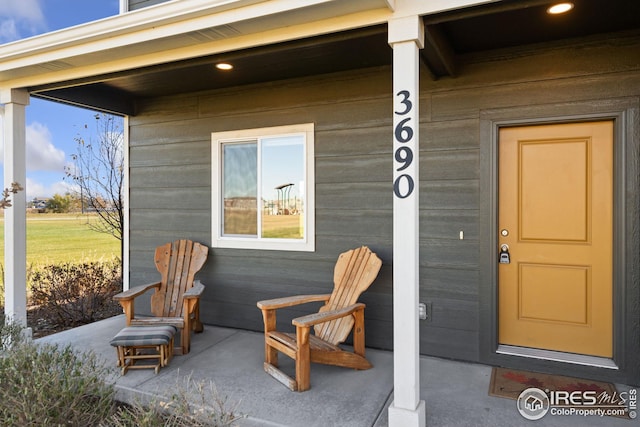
555, 215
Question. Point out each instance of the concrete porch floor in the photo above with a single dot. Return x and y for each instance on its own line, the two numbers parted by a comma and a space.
456, 393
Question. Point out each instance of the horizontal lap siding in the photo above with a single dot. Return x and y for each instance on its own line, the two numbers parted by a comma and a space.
171, 184
352, 113
449, 160
449, 194
139, 4
170, 191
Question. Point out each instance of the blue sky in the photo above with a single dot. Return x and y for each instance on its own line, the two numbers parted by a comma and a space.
51, 128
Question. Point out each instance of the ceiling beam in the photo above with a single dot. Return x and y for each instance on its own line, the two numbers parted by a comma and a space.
438, 54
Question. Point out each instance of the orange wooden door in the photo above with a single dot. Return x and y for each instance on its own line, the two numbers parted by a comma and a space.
555, 214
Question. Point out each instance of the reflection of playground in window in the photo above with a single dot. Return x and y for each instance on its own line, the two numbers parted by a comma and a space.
282, 218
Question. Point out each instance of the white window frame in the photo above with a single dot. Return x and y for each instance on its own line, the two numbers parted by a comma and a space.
218, 240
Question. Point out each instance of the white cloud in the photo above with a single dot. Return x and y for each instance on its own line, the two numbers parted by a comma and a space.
34, 189
20, 18
37, 189
42, 155
8, 30
63, 187
24, 9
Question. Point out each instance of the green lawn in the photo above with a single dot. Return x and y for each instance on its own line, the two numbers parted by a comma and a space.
58, 238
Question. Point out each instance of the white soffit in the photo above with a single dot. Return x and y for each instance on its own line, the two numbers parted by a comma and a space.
183, 29
178, 24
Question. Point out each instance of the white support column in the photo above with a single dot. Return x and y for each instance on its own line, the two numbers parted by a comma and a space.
15, 217
406, 36
125, 226
124, 6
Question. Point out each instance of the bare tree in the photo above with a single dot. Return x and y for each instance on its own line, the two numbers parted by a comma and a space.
98, 172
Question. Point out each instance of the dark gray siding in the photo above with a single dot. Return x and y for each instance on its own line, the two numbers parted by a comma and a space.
170, 181
171, 184
139, 4
582, 81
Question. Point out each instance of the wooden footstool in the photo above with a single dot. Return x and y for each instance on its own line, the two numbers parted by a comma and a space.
135, 343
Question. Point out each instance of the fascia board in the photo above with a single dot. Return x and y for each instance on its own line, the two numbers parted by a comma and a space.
114, 26
154, 23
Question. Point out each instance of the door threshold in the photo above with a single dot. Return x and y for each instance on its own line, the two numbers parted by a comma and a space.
557, 356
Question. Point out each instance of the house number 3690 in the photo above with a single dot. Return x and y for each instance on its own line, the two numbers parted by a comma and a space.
403, 185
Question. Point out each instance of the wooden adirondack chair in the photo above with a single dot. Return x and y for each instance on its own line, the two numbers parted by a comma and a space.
176, 300
355, 270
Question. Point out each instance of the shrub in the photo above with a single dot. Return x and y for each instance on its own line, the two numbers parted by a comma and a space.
73, 294
54, 386
202, 406
50, 385
1, 287
10, 333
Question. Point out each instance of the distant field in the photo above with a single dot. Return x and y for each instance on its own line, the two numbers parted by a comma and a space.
282, 226
59, 238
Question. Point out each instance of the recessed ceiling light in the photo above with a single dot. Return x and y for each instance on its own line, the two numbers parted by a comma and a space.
224, 66
559, 8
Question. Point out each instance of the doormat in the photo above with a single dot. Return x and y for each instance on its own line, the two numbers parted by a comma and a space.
509, 383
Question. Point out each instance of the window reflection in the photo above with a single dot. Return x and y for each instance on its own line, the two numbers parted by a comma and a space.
277, 180
240, 189
282, 187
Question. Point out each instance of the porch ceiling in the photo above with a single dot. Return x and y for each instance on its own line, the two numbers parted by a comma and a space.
317, 55
450, 36
517, 23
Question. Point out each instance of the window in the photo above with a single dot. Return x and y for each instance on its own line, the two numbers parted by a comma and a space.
263, 189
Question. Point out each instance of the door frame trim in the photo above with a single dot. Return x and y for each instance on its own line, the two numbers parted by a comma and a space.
625, 113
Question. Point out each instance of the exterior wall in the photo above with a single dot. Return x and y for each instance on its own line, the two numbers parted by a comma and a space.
139, 4
170, 197
561, 82
170, 184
